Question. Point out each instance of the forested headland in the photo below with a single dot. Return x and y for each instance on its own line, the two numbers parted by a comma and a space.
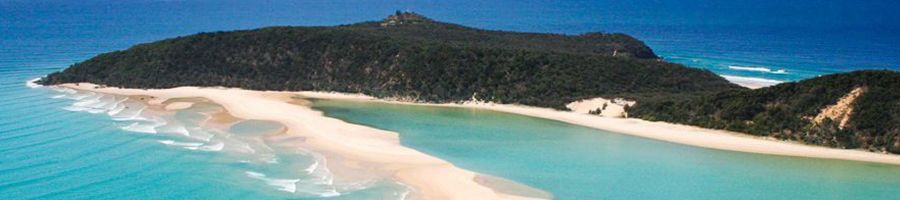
405, 56
410, 57
858, 109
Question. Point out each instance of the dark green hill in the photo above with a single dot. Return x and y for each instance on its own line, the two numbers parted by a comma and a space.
403, 56
412, 57
789, 111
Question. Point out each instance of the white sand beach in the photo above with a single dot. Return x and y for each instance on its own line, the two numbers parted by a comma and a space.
430, 177
433, 178
676, 133
750, 82
607, 107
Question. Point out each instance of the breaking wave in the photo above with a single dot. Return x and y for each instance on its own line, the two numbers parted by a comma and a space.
209, 147
33, 83
142, 127
180, 144
296, 171
287, 185
757, 69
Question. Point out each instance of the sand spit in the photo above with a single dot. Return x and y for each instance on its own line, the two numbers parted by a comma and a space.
367, 148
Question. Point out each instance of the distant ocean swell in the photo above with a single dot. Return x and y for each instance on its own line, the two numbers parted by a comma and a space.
761, 80
752, 76
292, 170
757, 69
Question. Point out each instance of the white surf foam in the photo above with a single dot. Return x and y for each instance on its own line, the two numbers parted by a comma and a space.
140, 127
87, 101
74, 108
173, 128
72, 96
330, 193
32, 83
317, 190
311, 168
218, 146
757, 69
114, 103
321, 172
94, 110
118, 109
131, 114
145, 126
405, 192
287, 185
83, 96
180, 144
315, 179
101, 102
96, 103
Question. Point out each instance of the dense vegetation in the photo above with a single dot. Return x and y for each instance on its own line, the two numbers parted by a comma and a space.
411, 57
787, 110
404, 56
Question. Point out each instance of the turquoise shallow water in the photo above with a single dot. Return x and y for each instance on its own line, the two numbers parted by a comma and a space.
51, 153
47, 152
575, 162
65, 144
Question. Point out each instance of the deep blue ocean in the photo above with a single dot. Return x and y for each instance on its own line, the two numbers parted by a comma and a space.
47, 152
803, 38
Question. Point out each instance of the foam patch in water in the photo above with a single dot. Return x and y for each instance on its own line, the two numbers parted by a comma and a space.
287, 185
213, 147
174, 128
180, 144
142, 127
129, 113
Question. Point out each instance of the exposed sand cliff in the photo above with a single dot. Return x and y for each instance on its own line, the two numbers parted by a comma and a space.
840, 111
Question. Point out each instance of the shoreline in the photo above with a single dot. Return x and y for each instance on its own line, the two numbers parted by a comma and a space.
663, 131
433, 178
379, 150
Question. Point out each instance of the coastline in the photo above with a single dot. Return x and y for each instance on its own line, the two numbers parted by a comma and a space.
374, 150
433, 178
669, 132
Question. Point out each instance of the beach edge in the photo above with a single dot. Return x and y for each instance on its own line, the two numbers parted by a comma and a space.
429, 177
663, 131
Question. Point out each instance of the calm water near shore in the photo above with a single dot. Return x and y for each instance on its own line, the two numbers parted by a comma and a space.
53, 149
574, 162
